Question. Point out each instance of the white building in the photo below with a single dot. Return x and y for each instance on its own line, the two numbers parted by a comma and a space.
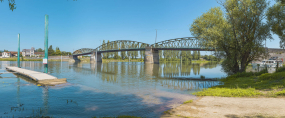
28, 52
9, 54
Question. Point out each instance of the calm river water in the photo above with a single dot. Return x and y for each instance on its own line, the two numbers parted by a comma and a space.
103, 89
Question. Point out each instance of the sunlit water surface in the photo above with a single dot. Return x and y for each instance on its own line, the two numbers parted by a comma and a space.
103, 89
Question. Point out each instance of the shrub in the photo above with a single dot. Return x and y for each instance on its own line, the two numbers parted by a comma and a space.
202, 77
189, 101
280, 92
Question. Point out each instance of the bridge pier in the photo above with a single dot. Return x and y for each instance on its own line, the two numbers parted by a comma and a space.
151, 55
95, 57
73, 58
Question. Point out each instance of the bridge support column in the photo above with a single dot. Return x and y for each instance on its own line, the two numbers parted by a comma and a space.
73, 58
151, 55
95, 57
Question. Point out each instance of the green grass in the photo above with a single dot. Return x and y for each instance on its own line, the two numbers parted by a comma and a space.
123, 116
15, 59
188, 101
249, 84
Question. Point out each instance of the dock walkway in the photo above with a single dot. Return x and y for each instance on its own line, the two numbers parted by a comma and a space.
40, 77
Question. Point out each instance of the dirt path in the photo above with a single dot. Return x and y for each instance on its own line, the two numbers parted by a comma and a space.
229, 107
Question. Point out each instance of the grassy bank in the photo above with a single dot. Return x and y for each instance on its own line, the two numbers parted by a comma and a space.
15, 59
249, 84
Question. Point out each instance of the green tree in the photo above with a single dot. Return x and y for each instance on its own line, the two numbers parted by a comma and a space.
199, 55
11, 4
189, 55
6, 50
50, 51
238, 33
142, 52
108, 54
123, 53
276, 17
116, 55
39, 50
195, 55
57, 51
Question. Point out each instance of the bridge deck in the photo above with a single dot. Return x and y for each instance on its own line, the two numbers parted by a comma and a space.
40, 77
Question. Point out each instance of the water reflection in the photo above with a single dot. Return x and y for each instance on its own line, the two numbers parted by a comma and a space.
170, 75
120, 88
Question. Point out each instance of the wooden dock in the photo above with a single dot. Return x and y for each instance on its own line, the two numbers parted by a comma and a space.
39, 77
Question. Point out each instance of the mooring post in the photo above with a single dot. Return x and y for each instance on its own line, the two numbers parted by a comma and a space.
18, 50
45, 60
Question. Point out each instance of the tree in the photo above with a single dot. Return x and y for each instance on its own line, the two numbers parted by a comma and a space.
199, 55
57, 51
6, 50
195, 55
238, 34
123, 53
11, 4
276, 17
116, 55
50, 51
39, 50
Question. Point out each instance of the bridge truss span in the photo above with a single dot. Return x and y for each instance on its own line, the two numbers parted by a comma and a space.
180, 44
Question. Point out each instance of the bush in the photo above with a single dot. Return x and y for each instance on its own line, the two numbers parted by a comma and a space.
273, 76
202, 77
280, 92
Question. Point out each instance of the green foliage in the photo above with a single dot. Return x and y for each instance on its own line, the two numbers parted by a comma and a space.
189, 101
275, 16
57, 51
202, 77
39, 50
50, 51
246, 84
226, 92
281, 92
233, 32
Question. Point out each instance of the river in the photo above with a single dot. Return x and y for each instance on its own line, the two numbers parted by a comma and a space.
103, 89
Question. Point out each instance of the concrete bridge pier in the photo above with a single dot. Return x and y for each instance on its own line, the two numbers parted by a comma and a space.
151, 55
95, 57
73, 58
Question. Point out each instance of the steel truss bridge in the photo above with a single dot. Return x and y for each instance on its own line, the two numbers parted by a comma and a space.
186, 43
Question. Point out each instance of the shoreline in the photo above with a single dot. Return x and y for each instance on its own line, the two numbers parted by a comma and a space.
229, 107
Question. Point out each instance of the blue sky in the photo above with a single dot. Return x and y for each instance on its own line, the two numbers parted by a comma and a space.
83, 23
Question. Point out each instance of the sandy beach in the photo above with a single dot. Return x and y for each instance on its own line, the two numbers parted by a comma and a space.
230, 107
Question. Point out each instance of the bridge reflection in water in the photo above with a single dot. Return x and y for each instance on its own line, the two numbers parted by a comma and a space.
169, 75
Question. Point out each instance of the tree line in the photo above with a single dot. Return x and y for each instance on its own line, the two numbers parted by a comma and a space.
52, 52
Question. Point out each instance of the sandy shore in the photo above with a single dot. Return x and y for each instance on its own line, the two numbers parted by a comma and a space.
230, 107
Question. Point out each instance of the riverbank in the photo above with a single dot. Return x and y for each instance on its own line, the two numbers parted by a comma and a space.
241, 95
15, 59
229, 107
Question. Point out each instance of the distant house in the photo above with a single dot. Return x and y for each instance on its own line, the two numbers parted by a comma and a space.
28, 52
10, 54
39, 54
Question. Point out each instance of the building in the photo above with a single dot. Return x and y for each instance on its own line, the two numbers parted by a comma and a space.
39, 54
10, 54
28, 52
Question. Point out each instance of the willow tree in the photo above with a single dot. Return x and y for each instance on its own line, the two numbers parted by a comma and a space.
276, 17
238, 33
